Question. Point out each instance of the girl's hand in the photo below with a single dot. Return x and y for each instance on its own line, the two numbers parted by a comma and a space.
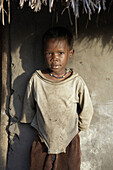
41, 139
39, 136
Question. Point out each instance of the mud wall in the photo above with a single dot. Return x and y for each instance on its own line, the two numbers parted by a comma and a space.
93, 60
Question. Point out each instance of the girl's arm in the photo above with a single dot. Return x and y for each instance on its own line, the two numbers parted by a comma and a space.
86, 106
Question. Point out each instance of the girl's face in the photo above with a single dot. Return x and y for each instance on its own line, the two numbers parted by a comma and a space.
57, 54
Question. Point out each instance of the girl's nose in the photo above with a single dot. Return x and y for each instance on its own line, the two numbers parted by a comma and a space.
55, 56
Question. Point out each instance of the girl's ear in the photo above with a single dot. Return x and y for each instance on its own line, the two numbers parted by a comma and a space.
71, 52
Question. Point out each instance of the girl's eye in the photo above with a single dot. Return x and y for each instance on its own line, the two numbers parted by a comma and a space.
61, 53
49, 53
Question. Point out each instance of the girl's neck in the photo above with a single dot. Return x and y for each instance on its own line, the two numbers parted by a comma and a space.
48, 74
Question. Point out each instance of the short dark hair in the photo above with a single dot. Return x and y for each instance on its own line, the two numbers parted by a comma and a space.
58, 33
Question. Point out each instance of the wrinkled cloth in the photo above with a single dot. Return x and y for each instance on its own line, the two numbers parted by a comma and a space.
41, 160
51, 108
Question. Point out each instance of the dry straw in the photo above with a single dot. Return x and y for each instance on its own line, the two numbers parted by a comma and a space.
88, 6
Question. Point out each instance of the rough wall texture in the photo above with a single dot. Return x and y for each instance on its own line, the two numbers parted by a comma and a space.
93, 60
95, 64
4, 94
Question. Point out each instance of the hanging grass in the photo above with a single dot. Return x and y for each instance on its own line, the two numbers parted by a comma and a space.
72, 6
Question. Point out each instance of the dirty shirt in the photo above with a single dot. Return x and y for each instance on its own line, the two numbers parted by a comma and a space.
51, 108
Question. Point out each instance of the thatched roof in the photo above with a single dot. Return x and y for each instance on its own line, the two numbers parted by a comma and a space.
75, 6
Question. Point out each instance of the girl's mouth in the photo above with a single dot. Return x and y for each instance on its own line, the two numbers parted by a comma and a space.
55, 66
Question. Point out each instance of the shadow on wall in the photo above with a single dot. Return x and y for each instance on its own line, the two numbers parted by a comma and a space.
100, 27
22, 135
31, 59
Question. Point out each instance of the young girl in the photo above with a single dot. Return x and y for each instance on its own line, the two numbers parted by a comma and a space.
51, 106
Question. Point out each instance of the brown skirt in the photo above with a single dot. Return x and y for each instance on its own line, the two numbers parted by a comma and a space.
41, 160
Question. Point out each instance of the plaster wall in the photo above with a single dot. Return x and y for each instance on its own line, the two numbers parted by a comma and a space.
93, 60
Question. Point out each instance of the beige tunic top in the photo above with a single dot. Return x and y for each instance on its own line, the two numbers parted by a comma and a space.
51, 108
